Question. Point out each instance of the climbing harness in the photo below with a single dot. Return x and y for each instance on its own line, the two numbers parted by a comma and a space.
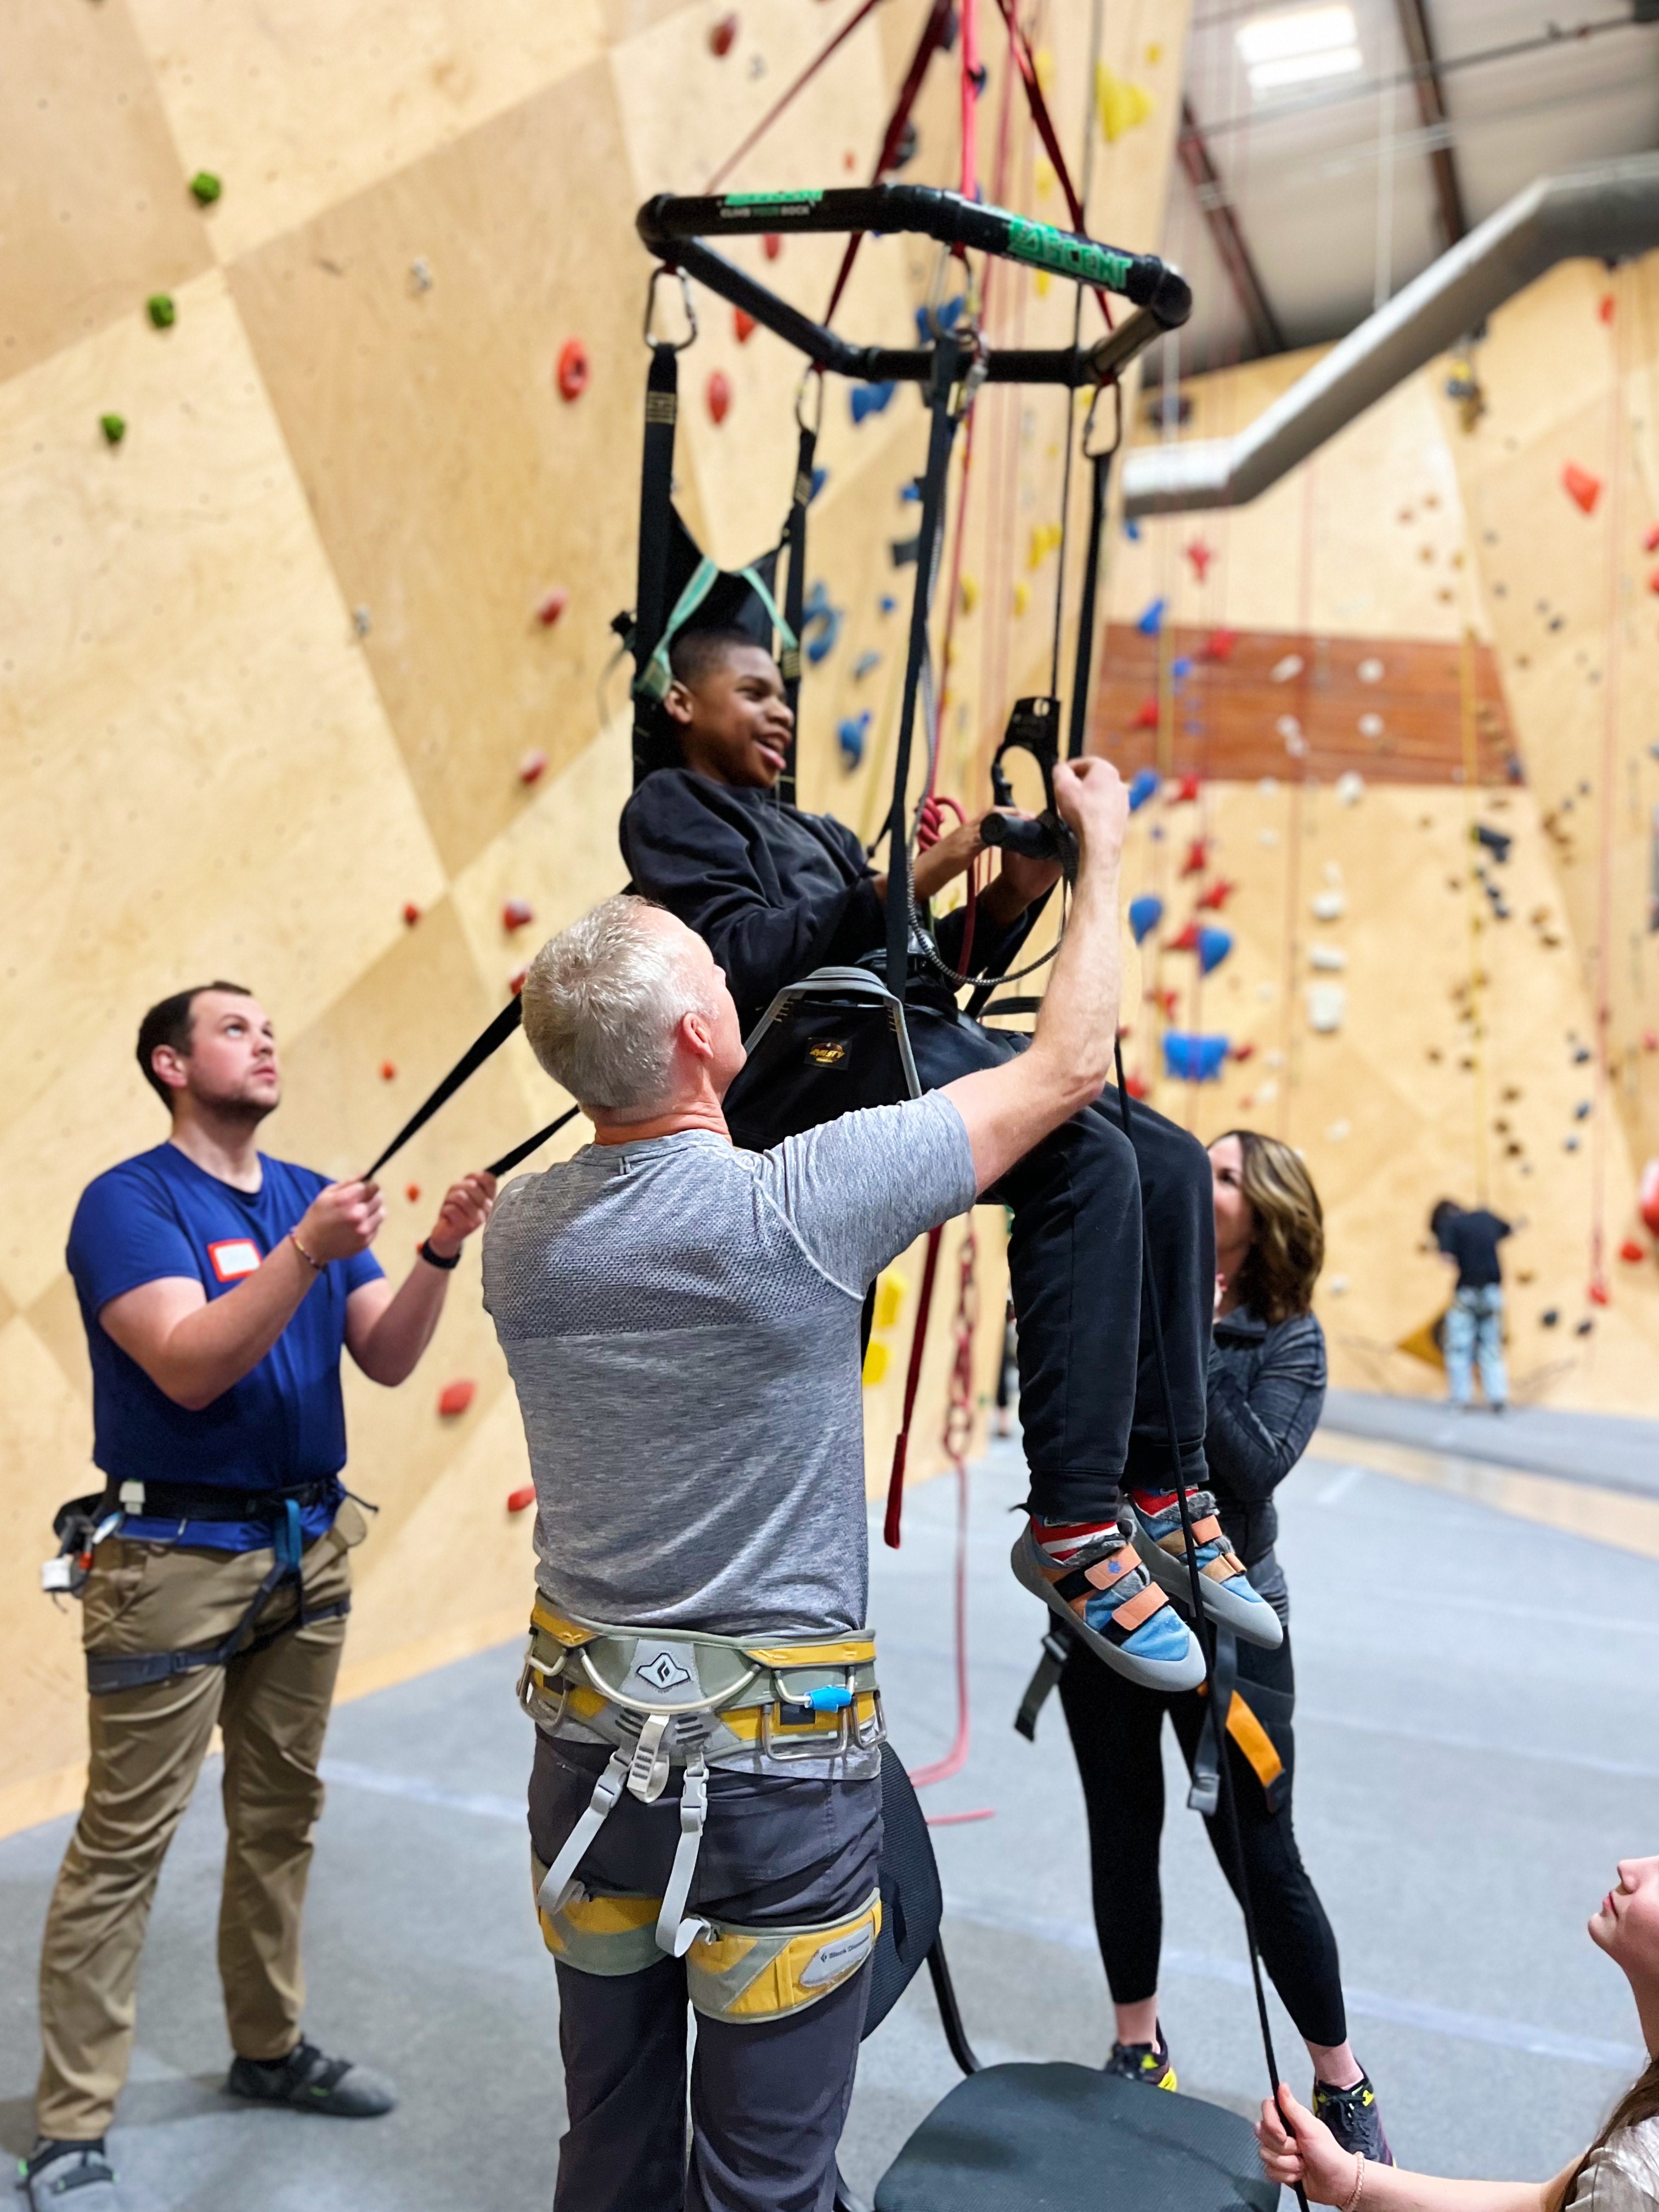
83, 1523
663, 1698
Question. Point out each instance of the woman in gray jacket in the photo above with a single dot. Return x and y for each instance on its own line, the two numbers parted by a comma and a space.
1267, 1387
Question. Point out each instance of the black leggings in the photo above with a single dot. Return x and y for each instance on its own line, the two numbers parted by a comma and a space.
1115, 1729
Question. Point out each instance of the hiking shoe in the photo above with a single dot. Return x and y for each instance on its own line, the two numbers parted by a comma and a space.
311, 2081
1228, 1595
1353, 2118
1143, 2061
1089, 1576
68, 2176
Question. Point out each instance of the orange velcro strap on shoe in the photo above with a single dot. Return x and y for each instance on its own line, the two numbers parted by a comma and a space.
1206, 1531
1222, 1567
1141, 1606
1104, 1573
1253, 1741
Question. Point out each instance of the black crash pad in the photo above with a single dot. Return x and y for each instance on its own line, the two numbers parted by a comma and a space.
1059, 2138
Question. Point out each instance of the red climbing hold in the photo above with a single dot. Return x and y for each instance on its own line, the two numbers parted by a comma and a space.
1198, 857
1245, 1051
532, 767
412, 912
572, 369
553, 606
515, 981
1650, 1040
388, 1070
516, 912
1136, 1087
1185, 790
718, 394
455, 1397
1146, 716
744, 326
1218, 895
771, 245
1166, 1002
1648, 1196
1599, 1293
517, 1501
1650, 538
1200, 555
1218, 644
412, 1193
1605, 310
1653, 581
1187, 941
723, 36
1581, 486
1631, 1253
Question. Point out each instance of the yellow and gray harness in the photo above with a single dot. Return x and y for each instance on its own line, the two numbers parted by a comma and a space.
665, 1698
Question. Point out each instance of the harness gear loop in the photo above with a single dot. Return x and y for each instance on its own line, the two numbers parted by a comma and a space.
667, 269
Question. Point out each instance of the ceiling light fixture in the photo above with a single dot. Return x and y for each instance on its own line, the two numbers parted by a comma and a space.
1298, 45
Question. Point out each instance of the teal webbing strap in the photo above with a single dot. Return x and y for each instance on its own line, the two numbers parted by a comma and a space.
655, 678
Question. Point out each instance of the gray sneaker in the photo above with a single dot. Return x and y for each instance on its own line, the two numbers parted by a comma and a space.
312, 2081
68, 2176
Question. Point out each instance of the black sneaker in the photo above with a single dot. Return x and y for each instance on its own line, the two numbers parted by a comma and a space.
1143, 2061
63, 2174
312, 2081
1353, 2118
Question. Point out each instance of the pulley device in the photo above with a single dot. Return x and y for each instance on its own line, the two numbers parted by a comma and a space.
1034, 728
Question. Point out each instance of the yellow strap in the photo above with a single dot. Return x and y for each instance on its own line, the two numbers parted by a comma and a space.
852, 1651
568, 1632
1253, 1741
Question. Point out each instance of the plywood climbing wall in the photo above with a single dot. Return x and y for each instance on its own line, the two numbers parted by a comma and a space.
279, 663
1421, 640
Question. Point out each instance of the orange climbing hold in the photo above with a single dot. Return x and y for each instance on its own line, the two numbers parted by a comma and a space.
532, 767
518, 1501
1146, 716
412, 1193
553, 606
573, 371
723, 36
1198, 857
718, 394
743, 327
412, 912
515, 913
388, 1070
455, 1397
1605, 310
1581, 486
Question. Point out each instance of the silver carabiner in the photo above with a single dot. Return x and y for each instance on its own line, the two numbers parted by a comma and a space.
665, 269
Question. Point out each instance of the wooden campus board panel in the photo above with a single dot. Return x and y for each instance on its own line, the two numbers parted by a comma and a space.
95, 214
300, 107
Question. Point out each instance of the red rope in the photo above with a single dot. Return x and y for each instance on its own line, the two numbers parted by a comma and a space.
1020, 49
971, 80
957, 1438
783, 102
902, 1442
933, 37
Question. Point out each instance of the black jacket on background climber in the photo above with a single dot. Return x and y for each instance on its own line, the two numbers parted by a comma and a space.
1472, 1239
1267, 1392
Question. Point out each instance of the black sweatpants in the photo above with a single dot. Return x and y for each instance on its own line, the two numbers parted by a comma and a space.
768, 2098
1117, 1727
1097, 1224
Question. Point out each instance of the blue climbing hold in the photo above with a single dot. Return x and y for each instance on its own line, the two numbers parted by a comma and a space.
1144, 915
865, 665
1181, 668
910, 494
1152, 621
1213, 946
887, 604
867, 399
931, 321
1143, 787
1131, 529
850, 735
1191, 1058
820, 623
820, 477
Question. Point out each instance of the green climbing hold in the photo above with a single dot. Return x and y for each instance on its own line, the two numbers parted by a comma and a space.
114, 428
206, 187
162, 311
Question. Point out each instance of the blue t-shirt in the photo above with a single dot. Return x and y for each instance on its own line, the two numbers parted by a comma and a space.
284, 1422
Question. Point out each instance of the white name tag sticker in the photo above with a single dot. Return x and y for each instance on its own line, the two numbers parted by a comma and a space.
233, 1257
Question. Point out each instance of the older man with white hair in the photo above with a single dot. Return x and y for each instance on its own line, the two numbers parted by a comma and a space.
681, 1320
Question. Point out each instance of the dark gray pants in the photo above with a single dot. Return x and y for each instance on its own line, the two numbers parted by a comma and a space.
768, 2100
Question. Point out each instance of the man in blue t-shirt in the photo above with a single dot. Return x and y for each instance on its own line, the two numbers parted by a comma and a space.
218, 1287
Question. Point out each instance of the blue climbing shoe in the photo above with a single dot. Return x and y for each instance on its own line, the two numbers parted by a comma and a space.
1229, 1597
1089, 1576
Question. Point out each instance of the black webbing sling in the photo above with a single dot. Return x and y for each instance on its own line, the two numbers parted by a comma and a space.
794, 594
656, 504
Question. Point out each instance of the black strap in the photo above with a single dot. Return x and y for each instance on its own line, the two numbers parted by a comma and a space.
1205, 1796
1101, 473
656, 520
947, 366
1056, 1649
508, 1161
108, 1671
471, 1061
794, 596
201, 1501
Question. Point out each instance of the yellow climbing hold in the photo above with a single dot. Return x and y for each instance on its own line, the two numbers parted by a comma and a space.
1122, 106
1022, 597
969, 595
1043, 62
1044, 176
1041, 280
1154, 55
875, 1363
890, 1297
1045, 537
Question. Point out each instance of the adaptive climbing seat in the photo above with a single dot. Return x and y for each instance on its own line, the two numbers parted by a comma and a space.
1026, 2137
834, 1042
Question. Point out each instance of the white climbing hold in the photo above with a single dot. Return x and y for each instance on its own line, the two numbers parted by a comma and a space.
420, 274
1337, 1285
1370, 672
1339, 1132
1327, 1007
1268, 1091
1288, 727
1264, 992
1371, 726
1329, 959
1333, 872
1282, 670
361, 620
1350, 787
1268, 786
1275, 1059
1329, 906
1266, 837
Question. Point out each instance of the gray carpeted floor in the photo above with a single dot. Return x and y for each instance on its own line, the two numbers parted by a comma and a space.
1479, 1740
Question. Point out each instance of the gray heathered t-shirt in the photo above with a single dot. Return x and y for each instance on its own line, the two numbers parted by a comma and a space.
681, 1321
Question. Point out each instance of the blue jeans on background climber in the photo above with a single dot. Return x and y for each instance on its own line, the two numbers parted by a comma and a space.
1474, 1331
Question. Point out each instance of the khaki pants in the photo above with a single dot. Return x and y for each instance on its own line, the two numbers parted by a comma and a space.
147, 1746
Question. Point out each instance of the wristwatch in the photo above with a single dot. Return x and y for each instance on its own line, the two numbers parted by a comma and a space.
436, 1259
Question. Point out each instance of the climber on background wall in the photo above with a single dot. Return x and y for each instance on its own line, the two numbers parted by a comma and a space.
218, 1287
1474, 1324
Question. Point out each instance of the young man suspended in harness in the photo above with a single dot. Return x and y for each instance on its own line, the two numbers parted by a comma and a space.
777, 893
217, 1287
681, 1319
